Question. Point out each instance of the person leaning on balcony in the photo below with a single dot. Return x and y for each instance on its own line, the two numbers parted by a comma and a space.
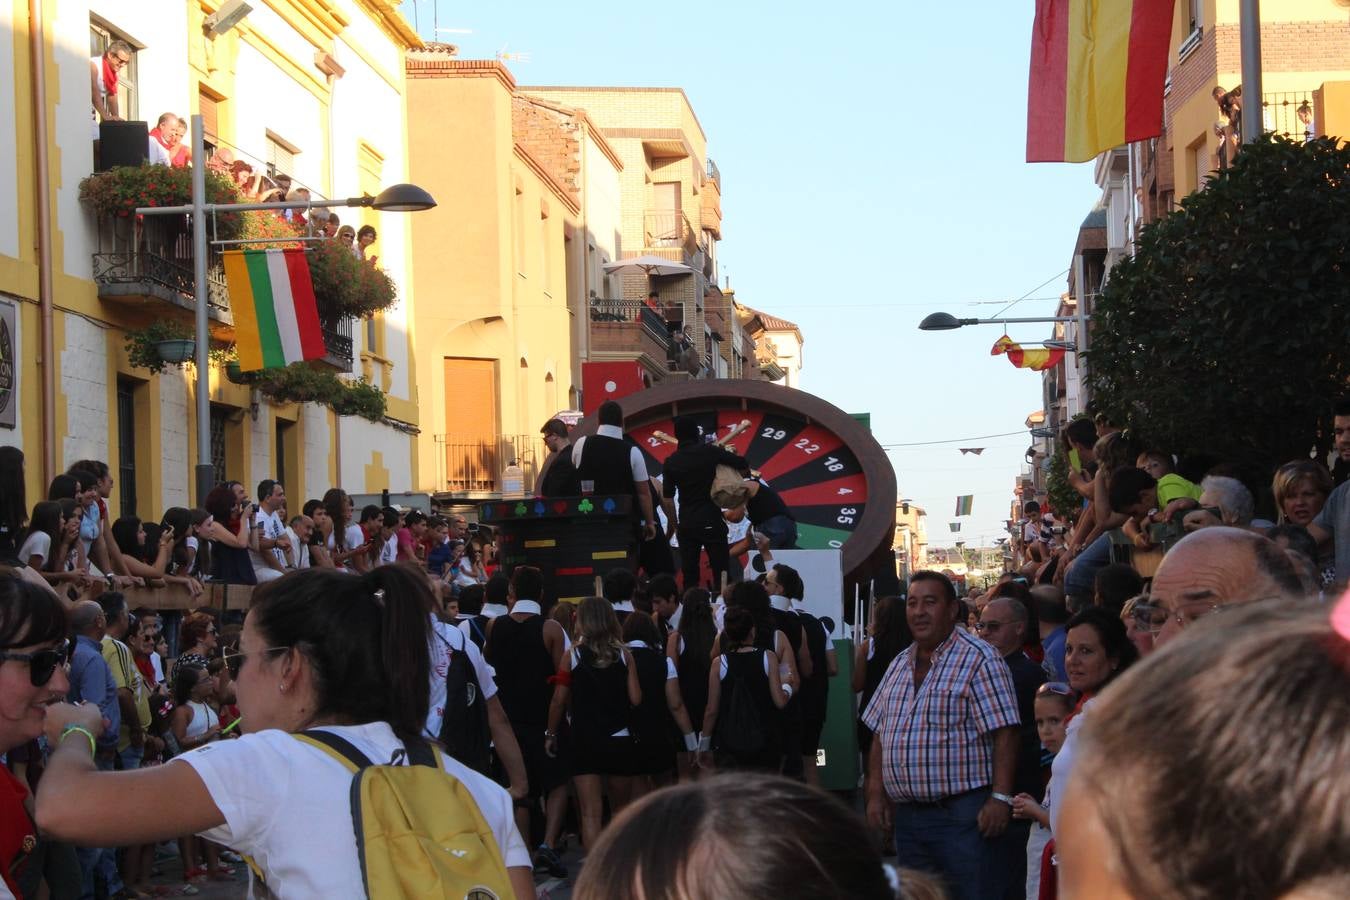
364, 239
103, 71
560, 479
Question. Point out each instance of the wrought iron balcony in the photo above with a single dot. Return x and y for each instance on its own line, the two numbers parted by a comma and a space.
337, 340
153, 258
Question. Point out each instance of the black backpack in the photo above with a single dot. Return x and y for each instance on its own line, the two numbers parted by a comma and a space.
464, 728
740, 729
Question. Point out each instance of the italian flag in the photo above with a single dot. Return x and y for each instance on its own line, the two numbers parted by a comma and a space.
1097, 73
275, 320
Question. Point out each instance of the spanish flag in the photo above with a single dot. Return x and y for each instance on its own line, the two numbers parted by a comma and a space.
276, 321
1097, 73
1038, 360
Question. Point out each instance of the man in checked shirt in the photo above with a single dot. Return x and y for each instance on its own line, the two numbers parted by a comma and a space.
941, 768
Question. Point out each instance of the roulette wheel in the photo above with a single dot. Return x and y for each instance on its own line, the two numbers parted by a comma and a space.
826, 466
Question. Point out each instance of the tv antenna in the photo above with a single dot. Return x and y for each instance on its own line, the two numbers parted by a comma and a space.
505, 55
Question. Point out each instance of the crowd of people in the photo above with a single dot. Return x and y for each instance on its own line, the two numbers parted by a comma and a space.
1059, 734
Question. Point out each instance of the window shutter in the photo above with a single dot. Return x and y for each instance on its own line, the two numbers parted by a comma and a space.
210, 122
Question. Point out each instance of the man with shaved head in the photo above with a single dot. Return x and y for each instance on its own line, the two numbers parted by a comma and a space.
91, 681
1217, 567
1003, 624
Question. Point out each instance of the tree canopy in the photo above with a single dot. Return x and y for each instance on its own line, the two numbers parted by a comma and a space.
1228, 332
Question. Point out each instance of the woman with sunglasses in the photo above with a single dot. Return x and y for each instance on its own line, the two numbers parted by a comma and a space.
33, 653
320, 649
198, 638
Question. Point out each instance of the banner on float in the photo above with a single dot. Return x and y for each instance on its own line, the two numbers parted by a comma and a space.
9, 365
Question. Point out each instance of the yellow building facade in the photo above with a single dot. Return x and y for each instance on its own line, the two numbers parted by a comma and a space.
1305, 60
312, 90
503, 270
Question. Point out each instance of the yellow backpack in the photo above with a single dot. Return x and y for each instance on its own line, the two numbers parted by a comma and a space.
419, 831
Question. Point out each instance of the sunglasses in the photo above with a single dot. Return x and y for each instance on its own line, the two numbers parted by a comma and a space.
234, 660
1055, 687
41, 663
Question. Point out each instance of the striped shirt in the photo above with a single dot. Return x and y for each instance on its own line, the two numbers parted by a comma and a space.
938, 741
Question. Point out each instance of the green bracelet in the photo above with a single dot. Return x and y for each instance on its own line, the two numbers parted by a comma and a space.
72, 729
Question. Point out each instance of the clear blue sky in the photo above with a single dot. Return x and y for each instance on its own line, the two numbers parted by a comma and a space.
872, 170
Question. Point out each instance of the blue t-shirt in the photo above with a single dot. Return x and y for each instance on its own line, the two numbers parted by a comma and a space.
439, 557
91, 681
1335, 517
1053, 645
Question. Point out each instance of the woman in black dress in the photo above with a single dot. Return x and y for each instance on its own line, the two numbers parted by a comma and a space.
661, 712
690, 647
600, 688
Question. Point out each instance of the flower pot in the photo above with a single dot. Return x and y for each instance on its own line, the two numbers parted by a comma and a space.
233, 373
176, 351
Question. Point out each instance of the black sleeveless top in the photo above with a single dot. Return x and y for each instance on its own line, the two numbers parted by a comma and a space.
524, 666
749, 669
816, 689
600, 704
651, 719
605, 460
693, 685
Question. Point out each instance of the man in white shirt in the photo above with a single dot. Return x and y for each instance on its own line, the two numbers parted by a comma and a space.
388, 543
298, 533
267, 541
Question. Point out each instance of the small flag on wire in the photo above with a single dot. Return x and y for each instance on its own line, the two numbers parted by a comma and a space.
976, 450
955, 526
964, 504
275, 318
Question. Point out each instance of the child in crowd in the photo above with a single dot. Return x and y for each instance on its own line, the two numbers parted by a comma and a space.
1055, 700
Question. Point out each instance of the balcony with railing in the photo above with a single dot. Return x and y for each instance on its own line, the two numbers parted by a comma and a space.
140, 261
668, 233
1290, 114
145, 262
632, 329
473, 466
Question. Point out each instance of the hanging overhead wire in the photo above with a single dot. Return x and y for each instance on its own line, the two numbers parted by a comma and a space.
978, 437
1027, 295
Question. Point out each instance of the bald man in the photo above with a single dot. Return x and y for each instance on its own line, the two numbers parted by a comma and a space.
1217, 567
1003, 624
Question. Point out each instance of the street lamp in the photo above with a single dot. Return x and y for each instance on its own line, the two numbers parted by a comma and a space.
396, 198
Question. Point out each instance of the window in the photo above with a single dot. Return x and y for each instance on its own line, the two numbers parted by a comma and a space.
279, 455
280, 155
1195, 10
100, 36
218, 443
126, 446
544, 252
210, 110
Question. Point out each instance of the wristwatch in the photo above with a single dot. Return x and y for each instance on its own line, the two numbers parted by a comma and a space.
1002, 798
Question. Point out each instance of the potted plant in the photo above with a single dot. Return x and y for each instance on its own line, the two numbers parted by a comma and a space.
163, 342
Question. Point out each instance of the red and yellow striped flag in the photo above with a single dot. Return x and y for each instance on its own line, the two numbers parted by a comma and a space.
1097, 73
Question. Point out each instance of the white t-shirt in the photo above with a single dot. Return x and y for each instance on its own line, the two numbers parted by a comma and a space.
39, 544
272, 528
299, 549
287, 804
446, 639
355, 537
389, 551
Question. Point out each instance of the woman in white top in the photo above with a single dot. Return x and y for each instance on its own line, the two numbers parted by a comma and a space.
194, 723
52, 544
320, 649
